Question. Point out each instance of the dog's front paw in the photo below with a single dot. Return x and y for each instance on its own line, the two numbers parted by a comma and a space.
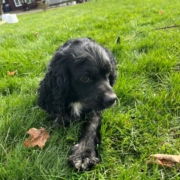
82, 157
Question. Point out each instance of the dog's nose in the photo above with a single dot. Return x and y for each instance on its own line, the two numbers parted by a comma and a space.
109, 100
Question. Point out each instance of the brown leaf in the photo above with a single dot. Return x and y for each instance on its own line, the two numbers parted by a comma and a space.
11, 73
36, 33
161, 12
164, 159
37, 137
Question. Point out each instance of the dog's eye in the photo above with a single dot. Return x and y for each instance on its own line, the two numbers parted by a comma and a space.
85, 78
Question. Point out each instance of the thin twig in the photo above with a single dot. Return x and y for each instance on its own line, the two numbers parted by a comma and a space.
166, 27
161, 28
133, 36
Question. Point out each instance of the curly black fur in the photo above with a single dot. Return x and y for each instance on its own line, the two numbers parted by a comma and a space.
78, 84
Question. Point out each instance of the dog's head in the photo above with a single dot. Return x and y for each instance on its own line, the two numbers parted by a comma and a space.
88, 70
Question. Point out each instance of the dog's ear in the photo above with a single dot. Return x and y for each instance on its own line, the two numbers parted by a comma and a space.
58, 66
113, 73
54, 87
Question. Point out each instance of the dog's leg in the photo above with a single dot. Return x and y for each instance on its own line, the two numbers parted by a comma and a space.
84, 154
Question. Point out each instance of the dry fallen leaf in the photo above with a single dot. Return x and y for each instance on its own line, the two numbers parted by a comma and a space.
164, 159
36, 33
37, 137
161, 12
11, 73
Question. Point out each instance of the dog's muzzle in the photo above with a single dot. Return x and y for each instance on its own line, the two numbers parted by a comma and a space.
109, 99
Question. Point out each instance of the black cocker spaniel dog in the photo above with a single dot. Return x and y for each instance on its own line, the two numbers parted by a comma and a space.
78, 85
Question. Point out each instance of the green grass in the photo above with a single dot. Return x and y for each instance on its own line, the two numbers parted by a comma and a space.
146, 119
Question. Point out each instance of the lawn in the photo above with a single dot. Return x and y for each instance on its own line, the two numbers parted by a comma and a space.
146, 119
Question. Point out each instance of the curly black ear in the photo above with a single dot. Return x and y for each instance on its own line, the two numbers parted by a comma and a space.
54, 87
113, 73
